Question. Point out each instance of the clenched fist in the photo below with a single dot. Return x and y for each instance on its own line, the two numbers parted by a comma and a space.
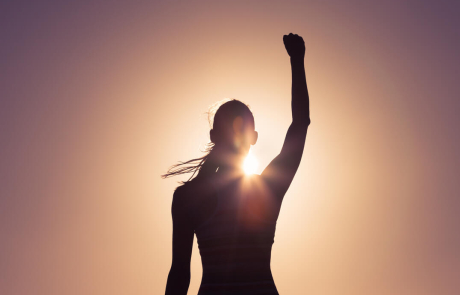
295, 45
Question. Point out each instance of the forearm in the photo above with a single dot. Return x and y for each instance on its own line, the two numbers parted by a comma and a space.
300, 100
178, 282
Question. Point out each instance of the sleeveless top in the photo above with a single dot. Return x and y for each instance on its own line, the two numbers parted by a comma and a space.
235, 246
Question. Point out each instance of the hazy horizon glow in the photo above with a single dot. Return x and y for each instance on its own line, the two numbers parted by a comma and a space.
98, 99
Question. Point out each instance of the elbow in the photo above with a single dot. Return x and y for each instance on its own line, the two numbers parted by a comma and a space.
302, 122
180, 272
178, 281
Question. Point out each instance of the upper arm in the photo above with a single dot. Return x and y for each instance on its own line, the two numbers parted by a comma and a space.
279, 173
183, 232
179, 275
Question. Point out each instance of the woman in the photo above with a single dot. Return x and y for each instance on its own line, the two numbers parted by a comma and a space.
234, 216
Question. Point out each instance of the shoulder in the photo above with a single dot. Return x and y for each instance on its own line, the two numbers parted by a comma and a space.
185, 195
185, 190
179, 200
180, 191
261, 184
256, 181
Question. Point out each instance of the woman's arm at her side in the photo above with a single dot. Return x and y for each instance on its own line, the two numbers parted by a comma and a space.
280, 172
179, 275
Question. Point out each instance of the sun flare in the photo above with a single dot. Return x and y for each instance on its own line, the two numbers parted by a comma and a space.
250, 164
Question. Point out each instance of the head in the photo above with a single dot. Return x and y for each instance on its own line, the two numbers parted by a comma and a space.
232, 135
233, 129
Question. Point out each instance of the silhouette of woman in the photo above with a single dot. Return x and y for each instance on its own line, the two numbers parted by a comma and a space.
234, 216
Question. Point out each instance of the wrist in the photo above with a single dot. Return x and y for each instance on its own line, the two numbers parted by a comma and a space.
297, 59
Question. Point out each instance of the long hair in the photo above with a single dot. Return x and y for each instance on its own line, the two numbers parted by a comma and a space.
220, 114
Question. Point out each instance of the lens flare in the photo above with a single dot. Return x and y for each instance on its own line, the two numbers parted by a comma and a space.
250, 164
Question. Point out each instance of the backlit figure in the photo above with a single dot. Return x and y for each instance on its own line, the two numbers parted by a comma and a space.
234, 215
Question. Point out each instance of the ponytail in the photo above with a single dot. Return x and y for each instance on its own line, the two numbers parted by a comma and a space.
203, 166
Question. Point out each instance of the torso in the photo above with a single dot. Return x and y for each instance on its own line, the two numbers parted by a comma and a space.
235, 223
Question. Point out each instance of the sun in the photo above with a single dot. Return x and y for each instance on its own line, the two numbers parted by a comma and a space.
250, 164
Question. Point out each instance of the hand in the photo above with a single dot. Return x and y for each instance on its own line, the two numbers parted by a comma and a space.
295, 45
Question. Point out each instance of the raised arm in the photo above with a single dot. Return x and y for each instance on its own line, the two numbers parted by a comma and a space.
279, 173
179, 275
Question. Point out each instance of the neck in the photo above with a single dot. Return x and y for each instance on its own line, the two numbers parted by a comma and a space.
229, 162
229, 172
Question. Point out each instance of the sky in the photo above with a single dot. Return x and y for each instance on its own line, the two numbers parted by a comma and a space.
99, 98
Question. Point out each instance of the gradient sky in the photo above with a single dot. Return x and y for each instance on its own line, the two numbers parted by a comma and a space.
99, 98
